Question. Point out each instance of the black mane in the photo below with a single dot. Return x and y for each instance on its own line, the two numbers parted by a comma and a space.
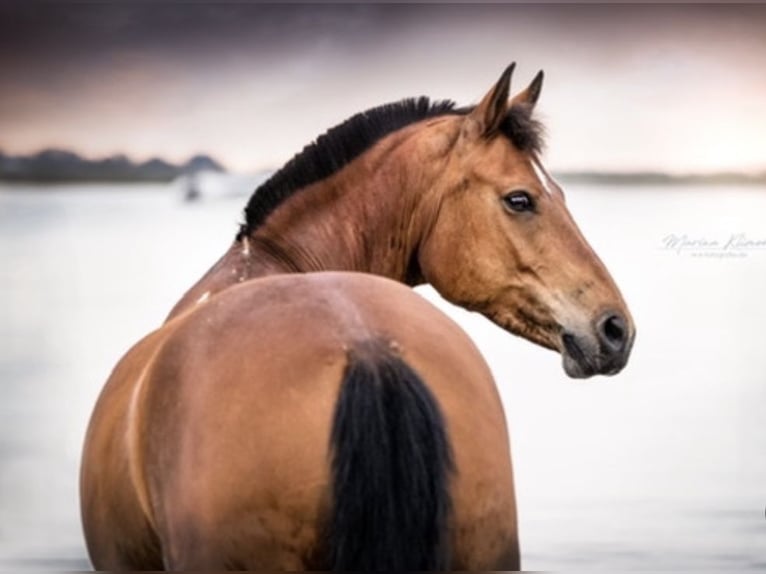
347, 141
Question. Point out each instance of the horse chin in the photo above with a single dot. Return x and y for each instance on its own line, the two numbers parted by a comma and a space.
576, 369
581, 359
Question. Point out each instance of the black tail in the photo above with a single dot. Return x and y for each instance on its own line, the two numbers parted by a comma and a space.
391, 466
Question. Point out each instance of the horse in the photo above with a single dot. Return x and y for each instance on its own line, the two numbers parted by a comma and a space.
303, 408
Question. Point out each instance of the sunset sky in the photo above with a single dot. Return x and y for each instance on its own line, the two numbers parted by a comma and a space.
628, 87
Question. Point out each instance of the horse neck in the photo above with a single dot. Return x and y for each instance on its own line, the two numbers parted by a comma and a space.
369, 217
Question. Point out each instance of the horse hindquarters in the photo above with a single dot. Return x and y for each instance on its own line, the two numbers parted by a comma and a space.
263, 407
391, 465
117, 529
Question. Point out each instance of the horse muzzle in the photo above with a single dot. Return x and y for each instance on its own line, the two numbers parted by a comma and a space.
602, 349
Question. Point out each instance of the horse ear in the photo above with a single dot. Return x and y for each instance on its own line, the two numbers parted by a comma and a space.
531, 94
489, 114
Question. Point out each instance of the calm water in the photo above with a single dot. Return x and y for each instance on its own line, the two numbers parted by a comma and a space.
662, 467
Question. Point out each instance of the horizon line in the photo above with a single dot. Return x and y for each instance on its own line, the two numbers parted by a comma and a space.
590, 171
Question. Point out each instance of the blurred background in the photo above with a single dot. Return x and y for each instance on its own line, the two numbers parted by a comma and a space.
131, 136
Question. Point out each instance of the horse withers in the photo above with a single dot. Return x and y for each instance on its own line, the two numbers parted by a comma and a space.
293, 413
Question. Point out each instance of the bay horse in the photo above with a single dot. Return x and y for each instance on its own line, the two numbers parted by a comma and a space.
303, 408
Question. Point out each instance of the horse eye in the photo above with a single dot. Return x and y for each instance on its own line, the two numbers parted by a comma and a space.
519, 201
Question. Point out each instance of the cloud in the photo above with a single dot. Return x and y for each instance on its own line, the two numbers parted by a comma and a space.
627, 86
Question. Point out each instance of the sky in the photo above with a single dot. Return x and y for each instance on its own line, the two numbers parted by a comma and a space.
677, 88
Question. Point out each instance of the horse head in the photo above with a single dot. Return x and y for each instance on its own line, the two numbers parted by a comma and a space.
502, 241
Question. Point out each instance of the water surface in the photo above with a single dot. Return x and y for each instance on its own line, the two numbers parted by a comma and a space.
661, 467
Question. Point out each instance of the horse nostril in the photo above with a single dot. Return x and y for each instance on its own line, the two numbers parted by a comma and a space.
613, 332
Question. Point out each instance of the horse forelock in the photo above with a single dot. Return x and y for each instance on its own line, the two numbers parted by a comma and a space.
524, 130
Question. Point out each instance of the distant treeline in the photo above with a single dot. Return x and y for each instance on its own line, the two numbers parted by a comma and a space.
56, 165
